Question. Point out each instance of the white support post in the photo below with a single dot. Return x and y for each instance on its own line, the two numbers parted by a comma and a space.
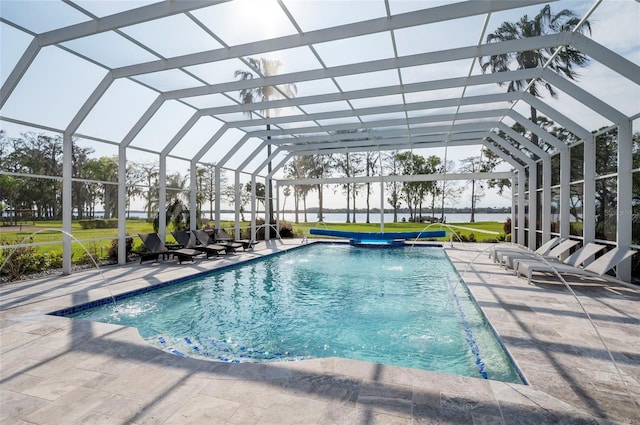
67, 205
236, 215
381, 204
277, 206
546, 199
565, 192
218, 196
193, 196
589, 191
521, 214
624, 195
267, 211
381, 192
533, 205
277, 209
514, 188
162, 198
122, 205
253, 207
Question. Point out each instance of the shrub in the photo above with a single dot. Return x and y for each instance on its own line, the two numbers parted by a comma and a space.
461, 238
23, 260
507, 226
111, 223
286, 229
99, 223
87, 224
113, 249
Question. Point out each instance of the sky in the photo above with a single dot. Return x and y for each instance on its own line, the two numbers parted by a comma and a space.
58, 82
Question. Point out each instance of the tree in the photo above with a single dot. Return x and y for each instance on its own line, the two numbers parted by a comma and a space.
176, 209
207, 174
134, 178
37, 154
490, 161
564, 62
151, 172
449, 191
298, 168
200, 186
370, 161
105, 169
392, 187
343, 165
318, 167
472, 165
349, 164
286, 191
229, 193
264, 68
260, 192
83, 194
9, 187
433, 165
412, 192
356, 168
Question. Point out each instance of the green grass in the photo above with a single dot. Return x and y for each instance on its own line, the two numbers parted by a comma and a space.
461, 229
100, 248
97, 248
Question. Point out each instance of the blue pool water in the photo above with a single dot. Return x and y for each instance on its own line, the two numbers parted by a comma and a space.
402, 306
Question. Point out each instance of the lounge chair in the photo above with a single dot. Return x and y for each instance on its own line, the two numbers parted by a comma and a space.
222, 237
156, 248
496, 253
597, 268
554, 254
577, 259
205, 243
184, 238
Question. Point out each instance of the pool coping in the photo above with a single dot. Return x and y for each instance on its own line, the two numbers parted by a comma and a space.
561, 388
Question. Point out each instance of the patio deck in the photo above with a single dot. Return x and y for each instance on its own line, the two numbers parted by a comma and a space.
58, 370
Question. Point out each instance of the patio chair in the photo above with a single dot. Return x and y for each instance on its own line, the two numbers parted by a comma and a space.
184, 238
156, 248
555, 254
577, 259
598, 268
205, 243
221, 236
496, 253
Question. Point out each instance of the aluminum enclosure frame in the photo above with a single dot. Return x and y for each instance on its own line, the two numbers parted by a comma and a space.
488, 125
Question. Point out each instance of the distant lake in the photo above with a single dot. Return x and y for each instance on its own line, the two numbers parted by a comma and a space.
312, 217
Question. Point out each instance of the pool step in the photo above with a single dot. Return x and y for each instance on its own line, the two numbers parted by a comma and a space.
217, 350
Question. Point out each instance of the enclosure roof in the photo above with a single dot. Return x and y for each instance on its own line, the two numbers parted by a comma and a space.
355, 75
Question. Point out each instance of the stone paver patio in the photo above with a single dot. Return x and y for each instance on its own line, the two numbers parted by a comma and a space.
56, 370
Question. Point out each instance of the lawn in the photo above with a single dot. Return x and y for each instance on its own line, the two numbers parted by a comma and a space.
481, 230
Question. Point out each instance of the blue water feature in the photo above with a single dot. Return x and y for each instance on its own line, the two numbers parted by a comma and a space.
388, 306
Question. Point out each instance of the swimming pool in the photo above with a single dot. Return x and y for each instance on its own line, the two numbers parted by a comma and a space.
402, 306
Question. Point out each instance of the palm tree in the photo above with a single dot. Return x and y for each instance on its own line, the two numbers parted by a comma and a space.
264, 68
298, 168
286, 191
563, 61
